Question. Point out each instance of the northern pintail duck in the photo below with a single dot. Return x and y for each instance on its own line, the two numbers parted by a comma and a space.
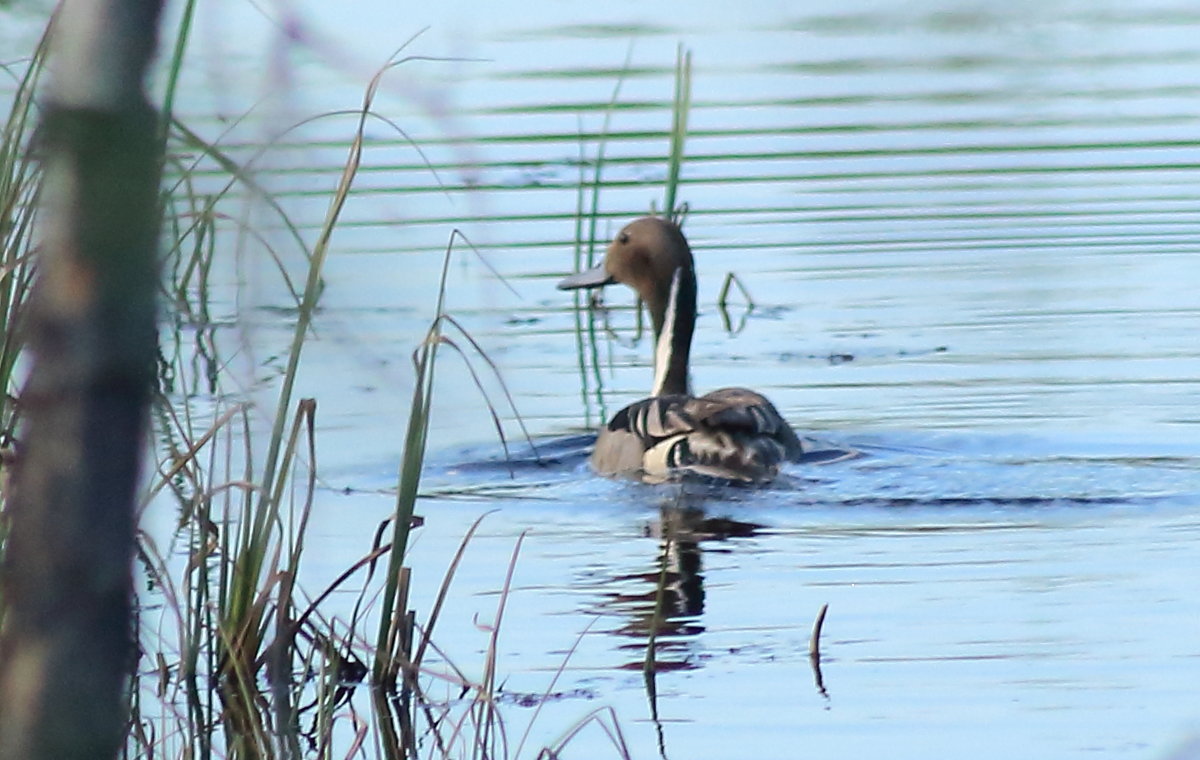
733, 434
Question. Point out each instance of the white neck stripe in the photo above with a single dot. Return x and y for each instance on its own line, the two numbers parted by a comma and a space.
663, 351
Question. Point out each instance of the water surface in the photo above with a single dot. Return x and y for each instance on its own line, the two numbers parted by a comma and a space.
969, 233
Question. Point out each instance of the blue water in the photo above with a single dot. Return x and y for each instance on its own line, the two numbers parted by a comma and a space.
1035, 592
969, 235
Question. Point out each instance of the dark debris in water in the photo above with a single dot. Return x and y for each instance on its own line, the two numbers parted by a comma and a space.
845, 357
528, 699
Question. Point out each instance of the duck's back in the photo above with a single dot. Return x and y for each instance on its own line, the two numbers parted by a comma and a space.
732, 434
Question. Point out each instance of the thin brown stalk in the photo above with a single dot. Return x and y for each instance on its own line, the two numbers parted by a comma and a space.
444, 589
512, 404
489, 669
562, 666
614, 734
814, 641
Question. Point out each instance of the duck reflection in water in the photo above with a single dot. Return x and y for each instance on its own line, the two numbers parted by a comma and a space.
728, 437
667, 601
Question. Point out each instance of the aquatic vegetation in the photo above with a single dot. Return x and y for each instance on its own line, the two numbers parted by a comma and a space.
261, 670
996, 231
239, 660
20, 185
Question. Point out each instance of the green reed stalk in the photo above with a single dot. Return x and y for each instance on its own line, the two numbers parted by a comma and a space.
256, 569
680, 106
577, 312
205, 207
175, 68
601, 147
272, 482
592, 217
392, 612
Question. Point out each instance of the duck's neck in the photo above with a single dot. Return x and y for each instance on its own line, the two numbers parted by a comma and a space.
674, 320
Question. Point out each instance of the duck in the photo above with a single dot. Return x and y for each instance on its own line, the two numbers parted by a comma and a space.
730, 435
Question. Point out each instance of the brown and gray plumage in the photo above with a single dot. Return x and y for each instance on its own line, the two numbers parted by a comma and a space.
732, 434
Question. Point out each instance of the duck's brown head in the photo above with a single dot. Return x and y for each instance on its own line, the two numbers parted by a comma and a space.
644, 255
651, 256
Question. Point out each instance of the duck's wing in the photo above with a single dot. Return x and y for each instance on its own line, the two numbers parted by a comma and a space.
741, 409
732, 434
623, 443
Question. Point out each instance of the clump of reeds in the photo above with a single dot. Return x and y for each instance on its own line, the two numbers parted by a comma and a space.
20, 189
245, 629
256, 669
20, 186
244, 663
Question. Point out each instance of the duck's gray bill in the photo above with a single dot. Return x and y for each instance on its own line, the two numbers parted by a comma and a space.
589, 278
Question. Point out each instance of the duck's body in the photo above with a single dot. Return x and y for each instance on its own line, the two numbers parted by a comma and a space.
732, 434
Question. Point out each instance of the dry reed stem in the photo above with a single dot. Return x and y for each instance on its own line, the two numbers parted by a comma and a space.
814, 641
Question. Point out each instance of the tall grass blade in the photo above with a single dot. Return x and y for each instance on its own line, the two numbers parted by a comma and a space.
590, 217
411, 462
680, 107
491, 729
611, 729
175, 67
553, 682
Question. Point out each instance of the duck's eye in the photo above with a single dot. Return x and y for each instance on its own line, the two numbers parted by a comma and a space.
623, 238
